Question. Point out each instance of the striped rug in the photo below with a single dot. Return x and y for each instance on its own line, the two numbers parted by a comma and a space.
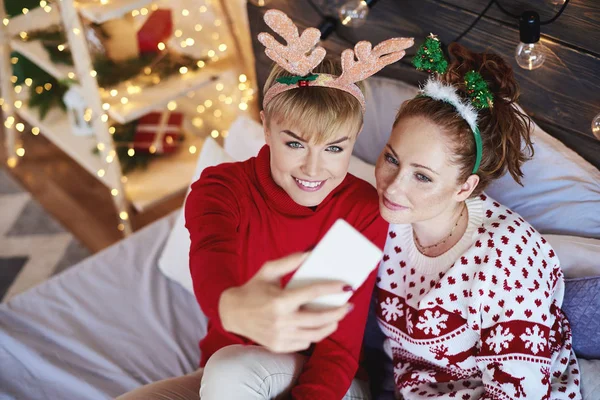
33, 246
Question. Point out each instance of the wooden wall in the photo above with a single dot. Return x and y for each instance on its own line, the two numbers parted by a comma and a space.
563, 96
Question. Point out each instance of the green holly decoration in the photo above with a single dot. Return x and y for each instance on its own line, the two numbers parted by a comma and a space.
478, 90
15, 7
430, 56
123, 139
45, 92
292, 80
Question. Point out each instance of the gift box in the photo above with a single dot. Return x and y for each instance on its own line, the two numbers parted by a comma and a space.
159, 133
157, 28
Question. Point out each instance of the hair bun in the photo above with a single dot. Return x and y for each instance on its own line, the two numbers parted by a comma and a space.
496, 72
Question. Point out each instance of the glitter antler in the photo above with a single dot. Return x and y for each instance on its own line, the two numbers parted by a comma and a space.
300, 55
370, 61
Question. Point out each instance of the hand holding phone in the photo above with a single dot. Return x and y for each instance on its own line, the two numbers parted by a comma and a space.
344, 255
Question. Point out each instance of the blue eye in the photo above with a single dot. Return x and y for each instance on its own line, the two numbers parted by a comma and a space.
391, 160
422, 178
294, 145
335, 149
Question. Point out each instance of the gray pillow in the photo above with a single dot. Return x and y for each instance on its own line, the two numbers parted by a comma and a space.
582, 306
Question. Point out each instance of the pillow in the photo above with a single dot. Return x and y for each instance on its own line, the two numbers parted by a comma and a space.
246, 137
383, 99
590, 384
582, 307
579, 257
561, 193
174, 259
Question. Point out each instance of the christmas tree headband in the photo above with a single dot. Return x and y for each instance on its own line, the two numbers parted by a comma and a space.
430, 58
300, 57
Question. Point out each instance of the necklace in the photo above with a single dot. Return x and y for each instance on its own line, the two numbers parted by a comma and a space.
424, 248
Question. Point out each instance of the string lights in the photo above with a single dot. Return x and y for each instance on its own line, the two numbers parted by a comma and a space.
226, 100
596, 126
354, 13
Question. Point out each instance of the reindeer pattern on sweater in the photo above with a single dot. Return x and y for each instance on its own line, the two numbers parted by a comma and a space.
482, 321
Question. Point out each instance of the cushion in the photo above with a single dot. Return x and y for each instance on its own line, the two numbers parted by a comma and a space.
561, 193
579, 257
383, 98
590, 384
174, 260
582, 307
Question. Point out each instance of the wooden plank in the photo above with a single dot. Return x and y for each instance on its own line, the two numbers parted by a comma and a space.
35, 52
103, 11
74, 197
586, 146
56, 127
578, 25
158, 95
565, 92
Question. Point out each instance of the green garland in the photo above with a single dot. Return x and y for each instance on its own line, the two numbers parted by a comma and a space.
46, 99
430, 57
126, 134
15, 7
109, 72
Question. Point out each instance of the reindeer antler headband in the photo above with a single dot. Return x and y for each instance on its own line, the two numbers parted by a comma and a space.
300, 57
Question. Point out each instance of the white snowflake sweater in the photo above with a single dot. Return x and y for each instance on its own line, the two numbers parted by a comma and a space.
482, 321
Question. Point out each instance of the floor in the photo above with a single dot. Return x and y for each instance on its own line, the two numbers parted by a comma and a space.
33, 245
70, 194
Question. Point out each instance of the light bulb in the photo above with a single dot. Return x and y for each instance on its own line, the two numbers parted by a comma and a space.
596, 126
354, 13
530, 53
258, 3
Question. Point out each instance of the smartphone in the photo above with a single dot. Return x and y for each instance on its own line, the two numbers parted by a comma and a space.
344, 255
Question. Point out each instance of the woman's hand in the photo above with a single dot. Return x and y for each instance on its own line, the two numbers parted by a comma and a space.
272, 317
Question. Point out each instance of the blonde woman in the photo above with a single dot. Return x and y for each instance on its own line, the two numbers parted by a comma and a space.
241, 216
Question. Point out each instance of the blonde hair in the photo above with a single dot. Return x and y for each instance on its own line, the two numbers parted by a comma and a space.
318, 112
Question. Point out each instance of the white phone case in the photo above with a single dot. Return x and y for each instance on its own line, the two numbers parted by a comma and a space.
343, 254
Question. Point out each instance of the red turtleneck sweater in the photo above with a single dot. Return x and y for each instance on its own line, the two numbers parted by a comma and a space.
238, 219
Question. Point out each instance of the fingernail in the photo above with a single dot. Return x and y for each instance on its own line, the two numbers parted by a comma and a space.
348, 288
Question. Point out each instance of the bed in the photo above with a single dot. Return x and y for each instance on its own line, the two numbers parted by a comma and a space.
117, 320
102, 327
121, 319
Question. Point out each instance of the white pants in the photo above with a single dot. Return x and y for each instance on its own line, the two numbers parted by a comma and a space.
252, 372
